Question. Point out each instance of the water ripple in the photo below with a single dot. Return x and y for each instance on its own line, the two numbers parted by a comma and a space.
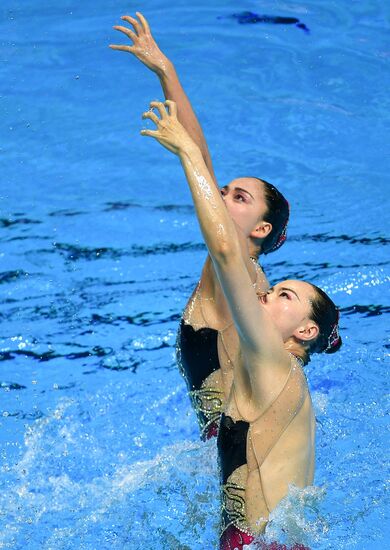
366, 311
325, 238
96, 351
11, 276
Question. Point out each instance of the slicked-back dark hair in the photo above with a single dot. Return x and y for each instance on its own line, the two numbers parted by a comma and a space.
326, 315
277, 214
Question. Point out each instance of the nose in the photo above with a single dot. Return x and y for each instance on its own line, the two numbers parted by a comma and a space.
269, 293
226, 197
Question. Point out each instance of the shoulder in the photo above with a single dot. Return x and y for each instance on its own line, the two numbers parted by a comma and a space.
281, 389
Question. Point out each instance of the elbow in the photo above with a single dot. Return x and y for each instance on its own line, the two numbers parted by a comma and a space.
226, 253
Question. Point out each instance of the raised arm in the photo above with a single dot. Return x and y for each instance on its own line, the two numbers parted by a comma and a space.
145, 48
258, 335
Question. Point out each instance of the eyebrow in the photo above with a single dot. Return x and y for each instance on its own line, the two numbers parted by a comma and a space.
244, 191
291, 290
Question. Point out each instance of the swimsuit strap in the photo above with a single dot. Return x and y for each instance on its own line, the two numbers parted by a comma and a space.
224, 345
270, 425
201, 298
189, 309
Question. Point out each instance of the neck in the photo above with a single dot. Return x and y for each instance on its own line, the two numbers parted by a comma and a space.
293, 346
254, 248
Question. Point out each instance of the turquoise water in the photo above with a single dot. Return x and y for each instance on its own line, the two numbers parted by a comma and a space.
100, 250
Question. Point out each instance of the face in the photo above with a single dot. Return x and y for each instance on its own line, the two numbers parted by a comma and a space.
245, 201
289, 305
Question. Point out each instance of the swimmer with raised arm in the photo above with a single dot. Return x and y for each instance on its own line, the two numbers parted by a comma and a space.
267, 430
207, 343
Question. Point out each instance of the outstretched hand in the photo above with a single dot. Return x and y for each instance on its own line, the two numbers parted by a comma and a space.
144, 46
170, 133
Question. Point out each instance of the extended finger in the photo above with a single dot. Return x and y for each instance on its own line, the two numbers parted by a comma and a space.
151, 133
132, 21
172, 107
152, 116
121, 48
144, 23
126, 31
160, 107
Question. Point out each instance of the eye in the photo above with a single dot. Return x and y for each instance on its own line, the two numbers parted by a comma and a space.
223, 191
239, 197
285, 295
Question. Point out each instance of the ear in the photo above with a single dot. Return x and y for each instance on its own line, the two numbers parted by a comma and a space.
262, 230
307, 332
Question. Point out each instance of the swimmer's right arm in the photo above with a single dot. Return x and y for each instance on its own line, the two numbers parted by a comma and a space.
147, 51
261, 342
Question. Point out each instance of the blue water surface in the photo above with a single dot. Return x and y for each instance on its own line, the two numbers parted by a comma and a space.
100, 251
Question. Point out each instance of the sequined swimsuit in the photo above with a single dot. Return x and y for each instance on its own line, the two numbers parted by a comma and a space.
236, 439
197, 357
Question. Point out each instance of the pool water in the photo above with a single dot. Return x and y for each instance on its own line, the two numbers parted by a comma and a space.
101, 249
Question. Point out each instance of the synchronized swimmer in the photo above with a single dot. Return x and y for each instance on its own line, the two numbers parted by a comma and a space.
242, 346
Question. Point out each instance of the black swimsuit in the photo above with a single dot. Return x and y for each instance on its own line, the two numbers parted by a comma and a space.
197, 357
199, 353
232, 438
232, 445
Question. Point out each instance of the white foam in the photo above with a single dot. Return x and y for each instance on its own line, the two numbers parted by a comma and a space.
297, 517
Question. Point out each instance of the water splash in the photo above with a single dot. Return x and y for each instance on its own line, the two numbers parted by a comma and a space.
67, 490
297, 518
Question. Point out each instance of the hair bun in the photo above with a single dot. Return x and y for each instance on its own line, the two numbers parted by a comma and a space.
334, 338
335, 347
